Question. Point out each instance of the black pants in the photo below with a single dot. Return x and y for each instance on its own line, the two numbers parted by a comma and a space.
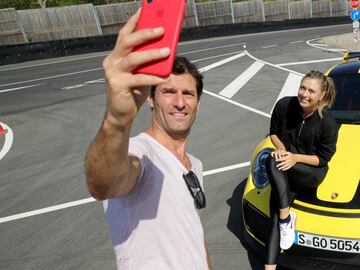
285, 185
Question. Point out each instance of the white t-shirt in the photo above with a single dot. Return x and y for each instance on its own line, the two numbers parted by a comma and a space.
157, 226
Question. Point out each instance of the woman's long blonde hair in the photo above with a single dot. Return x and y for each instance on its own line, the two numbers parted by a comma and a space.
327, 86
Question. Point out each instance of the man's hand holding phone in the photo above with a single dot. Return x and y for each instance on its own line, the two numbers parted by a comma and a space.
126, 91
168, 15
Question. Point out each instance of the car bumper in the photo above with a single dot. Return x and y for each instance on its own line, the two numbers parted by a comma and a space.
297, 257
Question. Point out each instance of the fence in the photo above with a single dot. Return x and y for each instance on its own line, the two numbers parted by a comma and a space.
339, 8
321, 8
86, 20
190, 19
219, 12
277, 10
249, 11
113, 17
60, 23
10, 31
300, 9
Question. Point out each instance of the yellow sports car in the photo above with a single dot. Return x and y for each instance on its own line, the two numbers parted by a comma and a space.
328, 219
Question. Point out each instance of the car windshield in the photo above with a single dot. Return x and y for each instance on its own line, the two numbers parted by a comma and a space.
346, 108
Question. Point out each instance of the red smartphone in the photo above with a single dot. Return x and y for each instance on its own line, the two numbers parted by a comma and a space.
168, 14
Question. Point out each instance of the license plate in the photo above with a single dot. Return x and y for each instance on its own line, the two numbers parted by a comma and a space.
327, 243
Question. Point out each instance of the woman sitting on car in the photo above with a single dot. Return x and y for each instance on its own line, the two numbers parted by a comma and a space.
305, 136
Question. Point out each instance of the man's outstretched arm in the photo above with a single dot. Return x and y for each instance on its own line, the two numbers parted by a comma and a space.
110, 171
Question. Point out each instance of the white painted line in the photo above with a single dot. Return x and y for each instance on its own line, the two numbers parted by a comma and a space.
213, 48
321, 46
310, 62
46, 210
102, 80
74, 86
185, 43
227, 168
105, 54
57, 62
94, 69
306, 29
294, 42
89, 200
272, 65
19, 88
271, 46
9, 137
52, 77
290, 87
230, 90
237, 104
222, 62
215, 56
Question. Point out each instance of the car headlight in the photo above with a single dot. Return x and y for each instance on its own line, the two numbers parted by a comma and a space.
259, 173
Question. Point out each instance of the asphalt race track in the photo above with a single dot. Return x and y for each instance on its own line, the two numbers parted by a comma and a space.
53, 108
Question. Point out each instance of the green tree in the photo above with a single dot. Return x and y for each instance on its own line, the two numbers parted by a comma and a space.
17, 4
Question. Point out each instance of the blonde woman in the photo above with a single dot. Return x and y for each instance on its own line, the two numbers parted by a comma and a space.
305, 136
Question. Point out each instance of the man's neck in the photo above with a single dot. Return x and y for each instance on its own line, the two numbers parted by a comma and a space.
175, 145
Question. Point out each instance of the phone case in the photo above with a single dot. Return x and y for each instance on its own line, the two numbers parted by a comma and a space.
168, 14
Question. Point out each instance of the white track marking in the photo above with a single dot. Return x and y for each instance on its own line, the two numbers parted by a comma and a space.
94, 69
198, 60
57, 62
262, 33
272, 65
102, 80
213, 48
52, 77
231, 89
270, 46
321, 46
19, 88
290, 88
216, 56
309, 62
46, 210
89, 200
220, 63
74, 86
180, 44
9, 137
227, 168
105, 54
294, 42
237, 104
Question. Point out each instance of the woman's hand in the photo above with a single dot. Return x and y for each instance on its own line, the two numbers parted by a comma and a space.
278, 153
286, 161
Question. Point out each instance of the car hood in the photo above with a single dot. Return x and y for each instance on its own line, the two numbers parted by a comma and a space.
342, 179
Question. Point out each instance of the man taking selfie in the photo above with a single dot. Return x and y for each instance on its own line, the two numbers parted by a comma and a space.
152, 189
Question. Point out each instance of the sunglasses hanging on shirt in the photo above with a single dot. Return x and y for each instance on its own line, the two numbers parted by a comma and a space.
195, 189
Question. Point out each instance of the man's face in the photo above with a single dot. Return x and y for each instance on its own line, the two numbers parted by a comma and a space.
175, 104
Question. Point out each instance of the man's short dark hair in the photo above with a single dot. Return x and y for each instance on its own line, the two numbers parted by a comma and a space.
183, 65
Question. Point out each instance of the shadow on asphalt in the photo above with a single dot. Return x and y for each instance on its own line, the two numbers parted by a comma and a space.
236, 226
